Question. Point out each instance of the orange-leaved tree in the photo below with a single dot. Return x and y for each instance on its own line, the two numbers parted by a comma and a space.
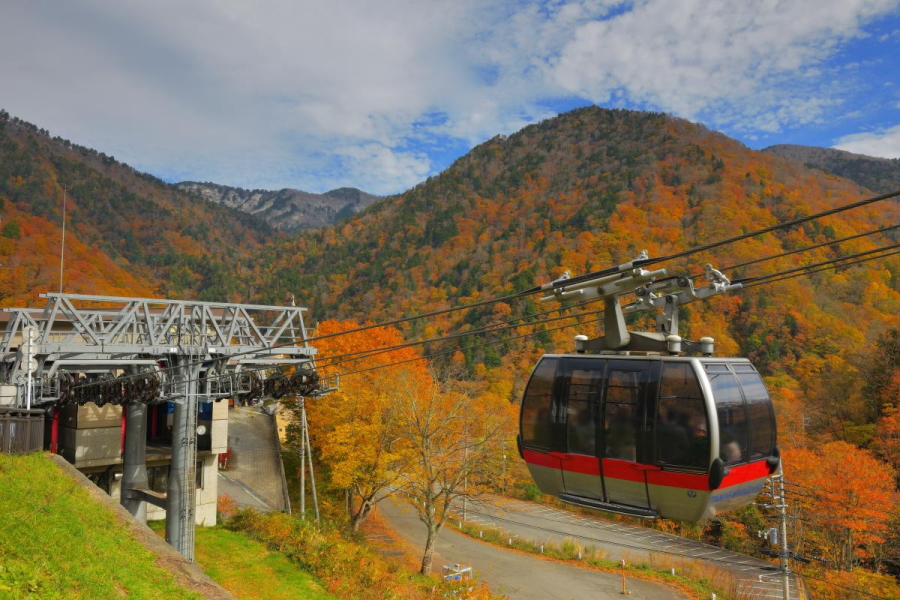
354, 430
887, 434
846, 499
457, 442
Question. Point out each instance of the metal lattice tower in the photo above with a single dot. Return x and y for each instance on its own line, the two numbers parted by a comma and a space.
139, 351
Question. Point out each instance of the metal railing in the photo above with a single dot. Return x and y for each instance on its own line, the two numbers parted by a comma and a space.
21, 430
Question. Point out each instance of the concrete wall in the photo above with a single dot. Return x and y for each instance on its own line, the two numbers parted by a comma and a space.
90, 416
206, 498
90, 447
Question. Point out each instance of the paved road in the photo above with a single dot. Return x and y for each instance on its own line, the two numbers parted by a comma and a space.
241, 494
518, 575
757, 579
254, 464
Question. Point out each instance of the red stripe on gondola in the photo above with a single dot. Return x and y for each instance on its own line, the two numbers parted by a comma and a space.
629, 471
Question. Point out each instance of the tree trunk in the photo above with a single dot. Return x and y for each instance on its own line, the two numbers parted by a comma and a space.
428, 557
357, 518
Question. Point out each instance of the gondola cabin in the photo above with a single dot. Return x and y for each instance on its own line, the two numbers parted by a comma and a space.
648, 435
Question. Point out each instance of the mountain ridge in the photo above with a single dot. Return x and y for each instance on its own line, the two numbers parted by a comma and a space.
876, 173
286, 209
583, 191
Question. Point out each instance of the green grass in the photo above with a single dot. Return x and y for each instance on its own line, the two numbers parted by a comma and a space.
248, 569
56, 542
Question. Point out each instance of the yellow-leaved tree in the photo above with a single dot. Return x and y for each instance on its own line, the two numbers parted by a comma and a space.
355, 429
456, 443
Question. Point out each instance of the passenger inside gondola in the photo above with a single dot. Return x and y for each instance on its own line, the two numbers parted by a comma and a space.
582, 433
620, 434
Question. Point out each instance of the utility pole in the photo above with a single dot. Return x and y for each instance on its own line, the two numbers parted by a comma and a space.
781, 505
62, 246
306, 455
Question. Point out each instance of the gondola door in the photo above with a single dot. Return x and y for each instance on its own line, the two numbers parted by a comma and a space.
624, 431
582, 390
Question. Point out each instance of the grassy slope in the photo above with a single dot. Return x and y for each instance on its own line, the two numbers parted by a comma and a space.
55, 542
248, 569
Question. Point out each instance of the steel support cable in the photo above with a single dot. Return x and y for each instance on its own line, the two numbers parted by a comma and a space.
374, 352
753, 280
482, 345
331, 361
362, 354
557, 328
731, 240
500, 326
801, 250
425, 357
474, 346
567, 282
835, 264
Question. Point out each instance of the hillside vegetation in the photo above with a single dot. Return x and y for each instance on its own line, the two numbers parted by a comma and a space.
588, 190
128, 233
583, 191
877, 174
58, 543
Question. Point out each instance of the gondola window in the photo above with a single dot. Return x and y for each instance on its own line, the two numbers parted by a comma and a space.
682, 432
732, 413
540, 411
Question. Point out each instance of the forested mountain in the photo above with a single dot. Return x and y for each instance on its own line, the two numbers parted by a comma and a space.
590, 189
583, 191
127, 232
287, 209
877, 174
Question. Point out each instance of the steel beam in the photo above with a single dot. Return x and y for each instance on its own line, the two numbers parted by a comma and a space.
181, 493
134, 467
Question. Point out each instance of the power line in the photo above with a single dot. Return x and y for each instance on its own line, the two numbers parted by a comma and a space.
843, 587
612, 543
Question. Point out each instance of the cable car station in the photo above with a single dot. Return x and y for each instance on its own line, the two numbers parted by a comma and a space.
105, 370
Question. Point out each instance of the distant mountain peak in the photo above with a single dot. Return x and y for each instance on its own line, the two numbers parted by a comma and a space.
286, 209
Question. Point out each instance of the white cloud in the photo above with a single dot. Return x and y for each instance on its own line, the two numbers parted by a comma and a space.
884, 143
313, 94
736, 63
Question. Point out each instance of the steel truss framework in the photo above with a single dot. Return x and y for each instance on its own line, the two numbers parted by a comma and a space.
138, 351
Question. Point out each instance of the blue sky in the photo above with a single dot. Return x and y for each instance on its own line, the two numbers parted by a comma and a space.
381, 95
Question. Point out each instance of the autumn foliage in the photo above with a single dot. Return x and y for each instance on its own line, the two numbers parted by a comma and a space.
583, 191
354, 429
